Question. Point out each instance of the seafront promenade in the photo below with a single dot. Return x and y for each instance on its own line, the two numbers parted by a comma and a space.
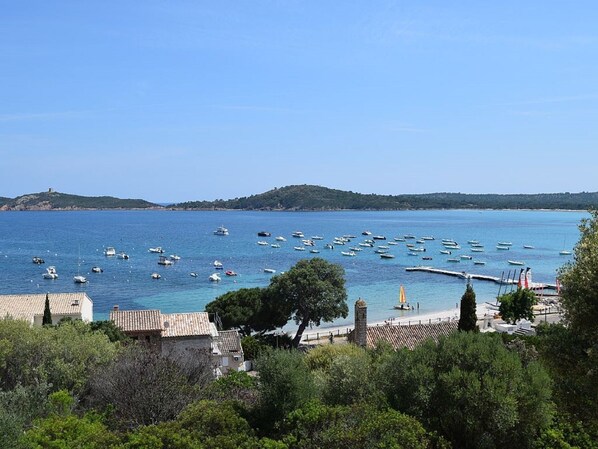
485, 312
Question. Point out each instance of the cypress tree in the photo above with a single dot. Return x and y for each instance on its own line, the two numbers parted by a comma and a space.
468, 320
47, 319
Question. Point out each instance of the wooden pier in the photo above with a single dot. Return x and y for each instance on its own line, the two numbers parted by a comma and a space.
481, 277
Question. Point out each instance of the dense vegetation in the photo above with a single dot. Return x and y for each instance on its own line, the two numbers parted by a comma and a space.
64, 201
82, 386
309, 197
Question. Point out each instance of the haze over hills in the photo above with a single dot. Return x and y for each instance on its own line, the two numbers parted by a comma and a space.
310, 197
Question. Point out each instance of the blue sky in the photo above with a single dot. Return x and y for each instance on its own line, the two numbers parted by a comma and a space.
187, 100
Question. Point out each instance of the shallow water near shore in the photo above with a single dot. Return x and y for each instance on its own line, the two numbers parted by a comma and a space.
74, 242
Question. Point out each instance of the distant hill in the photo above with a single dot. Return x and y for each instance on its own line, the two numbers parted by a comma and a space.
310, 197
52, 200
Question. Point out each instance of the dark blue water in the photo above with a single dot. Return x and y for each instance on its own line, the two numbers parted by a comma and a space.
74, 241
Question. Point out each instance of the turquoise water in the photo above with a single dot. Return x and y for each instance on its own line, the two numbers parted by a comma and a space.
75, 241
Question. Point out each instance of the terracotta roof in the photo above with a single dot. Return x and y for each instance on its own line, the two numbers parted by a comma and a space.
408, 336
29, 305
137, 320
229, 341
187, 324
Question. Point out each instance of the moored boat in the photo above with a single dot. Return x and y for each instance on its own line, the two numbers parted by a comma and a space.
221, 230
50, 273
214, 277
515, 262
109, 251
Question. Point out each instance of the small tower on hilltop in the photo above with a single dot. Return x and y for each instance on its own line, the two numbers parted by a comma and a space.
361, 323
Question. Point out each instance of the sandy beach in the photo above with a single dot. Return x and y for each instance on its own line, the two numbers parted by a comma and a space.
411, 317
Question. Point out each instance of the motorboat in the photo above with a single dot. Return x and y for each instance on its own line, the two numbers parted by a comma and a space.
379, 237
221, 230
515, 262
355, 248
264, 234
214, 277
193, 274
504, 243
262, 243
477, 250
109, 251
314, 251
382, 246
366, 233
399, 239
387, 256
317, 237
528, 246
163, 260
409, 236
280, 238
50, 273
426, 258
473, 242
329, 246
218, 265
269, 270
308, 242
410, 253
230, 273
298, 234
392, 243
96, 270
299, 248
348, 253
565, 252
123, 255
175, 257
445, 251
502, 248
466, 257
38, 260
420, 241
428, 237
157, 249
79, 279
453, 260
381, 251
274, 245
479, 262
155, 276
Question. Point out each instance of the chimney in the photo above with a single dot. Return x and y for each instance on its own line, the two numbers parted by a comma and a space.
115, 307
361, 323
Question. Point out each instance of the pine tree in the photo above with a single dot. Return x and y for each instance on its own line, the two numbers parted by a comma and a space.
468, 318
47, 319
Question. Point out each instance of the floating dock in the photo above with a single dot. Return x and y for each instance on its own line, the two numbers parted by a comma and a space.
481, 277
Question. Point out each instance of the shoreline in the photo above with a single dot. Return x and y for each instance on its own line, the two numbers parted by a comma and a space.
482, 310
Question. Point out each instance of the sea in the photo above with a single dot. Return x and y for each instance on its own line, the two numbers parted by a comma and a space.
74, 242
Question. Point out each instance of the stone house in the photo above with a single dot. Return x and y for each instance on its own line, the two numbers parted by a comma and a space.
182, 335
30, 307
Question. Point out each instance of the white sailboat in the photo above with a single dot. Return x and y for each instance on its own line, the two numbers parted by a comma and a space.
402, 300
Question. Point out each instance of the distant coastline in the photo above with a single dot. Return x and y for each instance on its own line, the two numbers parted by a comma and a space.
313, 198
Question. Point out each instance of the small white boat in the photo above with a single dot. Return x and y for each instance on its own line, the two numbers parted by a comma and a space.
109, 251
280, 238
383, 246
193, 274
155, 276
317, 237
298, 234
387, 256
399, 239
157, 249
505, 244
38, 260
175, 257
221, 230
453, 260
466, 257
299, 248
263, 243
123, 255
214, 277
477, 250
164, 261
274, 245
473, 242
79, 279
429, 237
408, 236
412, 254
515, 262
269, 270
366, 233
314, 251
502, 248
528, 246
477, 245
218, 265
445, 251
379, 237
96, 270
50, 273
392, 243
348, 253
381, 251
329, 246
565, 252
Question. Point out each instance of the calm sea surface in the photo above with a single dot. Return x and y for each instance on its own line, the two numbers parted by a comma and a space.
74, 241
